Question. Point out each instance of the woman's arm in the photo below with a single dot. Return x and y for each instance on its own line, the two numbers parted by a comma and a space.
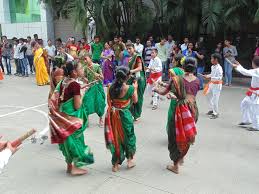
163, 90
77, 101
138, 67
135, 94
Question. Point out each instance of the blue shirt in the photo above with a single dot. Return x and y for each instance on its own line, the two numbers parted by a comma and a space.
187, 54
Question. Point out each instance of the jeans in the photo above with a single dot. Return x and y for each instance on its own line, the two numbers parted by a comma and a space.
18, 67
200, 70
165, 70
1, 65
228, 72
30, 60
23, 63
7, 61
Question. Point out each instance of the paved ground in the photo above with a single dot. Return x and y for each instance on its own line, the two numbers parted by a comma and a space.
224, 158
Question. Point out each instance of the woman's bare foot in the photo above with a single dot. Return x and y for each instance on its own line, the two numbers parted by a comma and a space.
101, 124
78, 171
115, 168
181, 162
69, 168
173, 168
131, 164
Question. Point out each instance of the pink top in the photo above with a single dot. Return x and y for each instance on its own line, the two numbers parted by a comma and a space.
192, 87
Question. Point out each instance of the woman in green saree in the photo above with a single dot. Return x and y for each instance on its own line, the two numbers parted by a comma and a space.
182, 113
119, 129
137, 70
177, 69
94, 98
68, 121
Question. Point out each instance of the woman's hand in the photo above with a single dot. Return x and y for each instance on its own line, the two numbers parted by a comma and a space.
135, 85
171, 96
235, 64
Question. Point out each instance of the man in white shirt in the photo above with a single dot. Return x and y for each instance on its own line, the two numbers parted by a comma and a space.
138, 47
169, 46
51, 49
16, 57
214, 87
6, 151
250, 104
184, 46
162, 54
155, 68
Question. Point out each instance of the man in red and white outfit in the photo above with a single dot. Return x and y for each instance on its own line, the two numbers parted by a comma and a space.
155, 68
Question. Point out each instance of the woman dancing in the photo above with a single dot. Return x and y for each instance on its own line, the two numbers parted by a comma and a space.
119, 129
68, 120
182, 113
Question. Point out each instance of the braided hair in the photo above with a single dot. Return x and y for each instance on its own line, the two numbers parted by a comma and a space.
121, 76
190, 65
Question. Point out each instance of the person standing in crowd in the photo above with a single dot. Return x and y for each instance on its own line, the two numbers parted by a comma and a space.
42, 76
184, 46
121, 41
189, 51
86, 46
16, 56
72, 47
119, 127
147, 52
182, 113
97, 49
138, 46
155, 68
51, 50
69, 96
23, 62
137, 70
214, 87
151, 39
250, 104
1, 64
230, 53
256, 53
107, 64
169, 46
162, 54
118, 48
29, 54
58, 44
6, 55
200, 56
219, 49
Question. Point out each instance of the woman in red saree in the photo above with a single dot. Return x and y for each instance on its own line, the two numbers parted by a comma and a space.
182, 113
119, 129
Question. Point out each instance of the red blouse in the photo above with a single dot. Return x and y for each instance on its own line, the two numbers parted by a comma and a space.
72, 90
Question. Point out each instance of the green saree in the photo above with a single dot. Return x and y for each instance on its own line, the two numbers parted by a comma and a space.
74, 148
136, 109
94, 98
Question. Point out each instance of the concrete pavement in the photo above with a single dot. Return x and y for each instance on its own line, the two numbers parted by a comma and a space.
224, 158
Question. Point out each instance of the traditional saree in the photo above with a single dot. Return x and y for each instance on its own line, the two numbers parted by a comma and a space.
42, 76
67, 126
136, 109
182, 115
175, 71
119, 129
107, 66
94, 98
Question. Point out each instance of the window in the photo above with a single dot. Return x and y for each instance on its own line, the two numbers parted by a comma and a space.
24, 11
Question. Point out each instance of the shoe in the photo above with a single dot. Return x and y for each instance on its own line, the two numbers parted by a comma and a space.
27, 75
243, 124
252, 129
226, 85
151, 102
154, 107
210, 112
213, 116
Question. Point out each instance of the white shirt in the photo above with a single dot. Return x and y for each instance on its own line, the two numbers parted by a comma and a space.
16, 52
139, 48
69, 58
155, 65
169, 46
254, 73
183, 47
216, 73
21, 54
4, 158
51, 50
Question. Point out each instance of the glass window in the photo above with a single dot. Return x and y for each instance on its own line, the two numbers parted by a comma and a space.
24, 11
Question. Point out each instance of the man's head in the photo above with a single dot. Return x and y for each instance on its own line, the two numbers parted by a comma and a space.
154, 53
149, 44
138, 40
120, 39
170, 38
21, 41
215, 59
83, 41
163, 41
130, 48
96, 39
151, 38
190, 46
115, 39
49, 42
35, 36
186, 40
4, 38
28, 38
227, 42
